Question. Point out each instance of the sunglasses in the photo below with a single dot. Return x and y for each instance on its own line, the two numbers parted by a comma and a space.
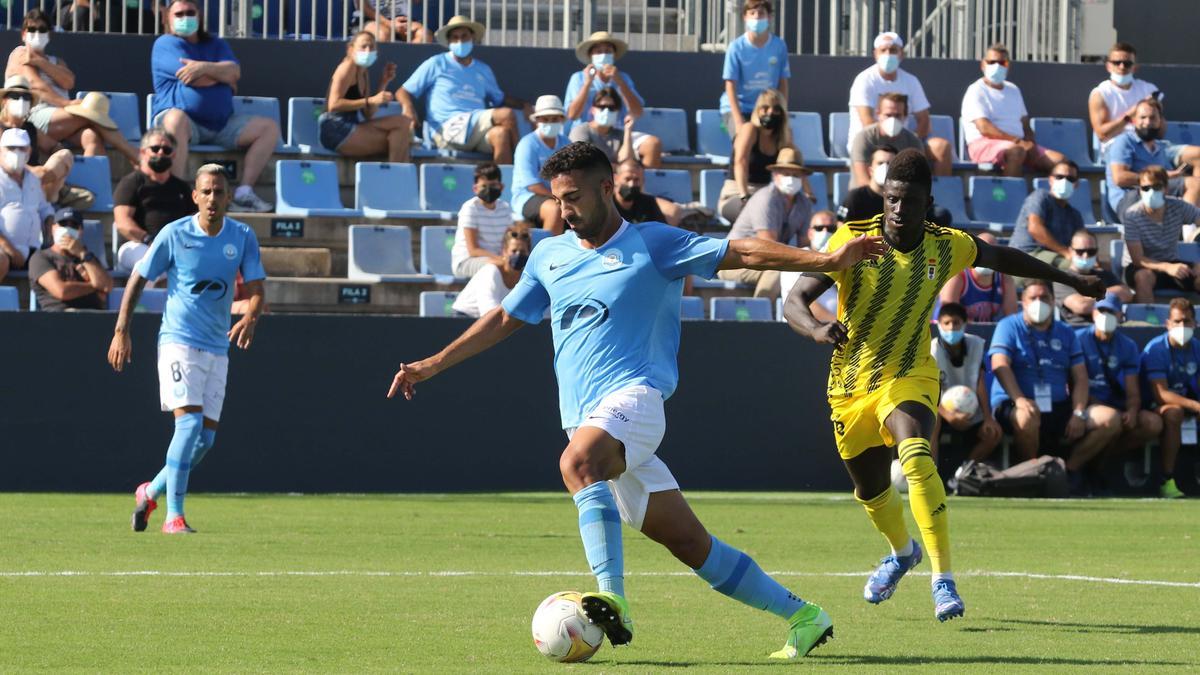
1059, 176
1147, 188
608, 106
519, 235
1127, 64
186, 12
992, 62
38, 29
15, 96
1086, 252
823, 228
164, 149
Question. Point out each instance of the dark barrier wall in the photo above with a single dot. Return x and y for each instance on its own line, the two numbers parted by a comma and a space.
1161, 30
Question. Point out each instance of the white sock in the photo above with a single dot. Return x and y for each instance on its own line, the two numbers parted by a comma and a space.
242, 191
948, 576
904, 552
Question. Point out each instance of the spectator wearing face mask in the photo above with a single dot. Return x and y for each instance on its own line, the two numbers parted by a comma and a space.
756, 145
1153, 230
483, 221
1047, 221
66, 275
633, 204
985, 295
886, 76
888, 131
1133, 151
755, 62
1169, 367
821, 226
531, 193
489, 286
974, 434
24, 211
349, 125
18, 99
779, 212
1113, 103
148, 198
996, 123
620, 105
866, 201
1075, 308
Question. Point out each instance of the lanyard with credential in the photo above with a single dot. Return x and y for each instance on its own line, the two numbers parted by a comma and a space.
1189, 379
1114, 383
1037, 356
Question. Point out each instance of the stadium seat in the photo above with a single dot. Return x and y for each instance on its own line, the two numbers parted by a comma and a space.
536, 235
997, 200
1066, 135
1081, 198
506, 177
1185, 133
711, 181
308, 188
10, 301
672, 184
839, 132
385, 190
382, 253
739, 309
712, 139
199, 147
1116, 254
93, 239
942, 126
1155, 315
948, 192
1188, 252
691, 307
438, 303
123, 108
671, 127
841, 185
1106, 211
152, 300
94, 174
302, 131
808, 139
820, 188
445, 187
436, 242
264, 106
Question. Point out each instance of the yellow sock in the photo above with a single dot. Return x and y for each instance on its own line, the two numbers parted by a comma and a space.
927, 499
886, 512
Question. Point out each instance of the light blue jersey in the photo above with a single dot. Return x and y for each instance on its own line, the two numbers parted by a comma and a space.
454, 88
201, 273
529, 157
754, 70
576, 83
615, 309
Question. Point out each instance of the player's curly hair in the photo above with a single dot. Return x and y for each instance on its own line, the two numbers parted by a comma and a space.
910, 166
578, 156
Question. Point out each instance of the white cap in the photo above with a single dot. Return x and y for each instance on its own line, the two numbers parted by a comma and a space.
548, 104
888, 38
14, 138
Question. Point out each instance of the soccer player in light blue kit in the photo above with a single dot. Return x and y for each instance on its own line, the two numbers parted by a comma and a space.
613, 290
201, 256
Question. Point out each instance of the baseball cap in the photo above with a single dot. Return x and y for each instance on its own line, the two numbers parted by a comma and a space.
888, 38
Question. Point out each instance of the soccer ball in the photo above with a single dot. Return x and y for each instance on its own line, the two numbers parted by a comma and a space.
561, 631
899, 480
962, 399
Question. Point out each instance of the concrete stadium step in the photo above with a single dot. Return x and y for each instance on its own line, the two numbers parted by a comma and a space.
297, 262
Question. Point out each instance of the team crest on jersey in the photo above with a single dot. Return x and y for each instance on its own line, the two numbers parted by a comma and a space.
612, 259
931, 269
1191, 367
230, 251
1113, 362
1056, 344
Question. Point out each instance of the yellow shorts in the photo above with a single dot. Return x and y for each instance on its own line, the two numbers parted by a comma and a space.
858, 420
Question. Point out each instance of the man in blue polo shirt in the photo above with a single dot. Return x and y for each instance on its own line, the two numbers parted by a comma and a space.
1040, 394
755, 62
531, 193
1139, 148
1169, 366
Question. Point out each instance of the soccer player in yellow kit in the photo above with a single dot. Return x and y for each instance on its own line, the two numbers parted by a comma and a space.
883, 383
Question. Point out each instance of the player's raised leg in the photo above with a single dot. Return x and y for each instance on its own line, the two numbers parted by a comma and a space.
870, 471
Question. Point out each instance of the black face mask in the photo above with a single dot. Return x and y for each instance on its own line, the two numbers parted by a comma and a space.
629, 192
517, 260
159, 163
1146, 134
489, 194
769, 121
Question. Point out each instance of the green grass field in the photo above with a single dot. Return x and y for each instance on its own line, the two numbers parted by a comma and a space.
448, 584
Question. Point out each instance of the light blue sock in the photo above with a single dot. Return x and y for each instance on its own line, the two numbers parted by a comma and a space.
733, 573
159, 484
600, 528
179, 460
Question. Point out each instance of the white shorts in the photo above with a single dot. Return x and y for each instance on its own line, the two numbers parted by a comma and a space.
635, 417
189, 377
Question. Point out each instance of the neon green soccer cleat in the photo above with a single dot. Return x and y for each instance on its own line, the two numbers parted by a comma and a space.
811, 627
1170, 491
610, 612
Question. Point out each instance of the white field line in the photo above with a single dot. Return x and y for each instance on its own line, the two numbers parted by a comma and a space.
533, 573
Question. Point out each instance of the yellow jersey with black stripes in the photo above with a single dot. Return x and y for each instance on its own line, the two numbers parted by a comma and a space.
886, 305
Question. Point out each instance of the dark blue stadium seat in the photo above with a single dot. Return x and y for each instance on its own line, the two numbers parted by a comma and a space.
536, 235
308, 188
1081, 198
1066, 135
385, 190
10, 301
712, 139
996, 199
1116, 254
691, 308
739, 309
841, 185
672, 184
820, 189
1184, 133
1153, 314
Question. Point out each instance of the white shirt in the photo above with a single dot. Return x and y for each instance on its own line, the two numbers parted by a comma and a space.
483, 293
1002, 107
490, 225
966, 374
23, 208
1118, 100
869, 85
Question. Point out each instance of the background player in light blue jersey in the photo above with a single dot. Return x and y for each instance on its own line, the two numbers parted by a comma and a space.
613, 290
201, 256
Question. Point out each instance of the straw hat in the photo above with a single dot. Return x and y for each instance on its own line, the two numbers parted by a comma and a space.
790, 158
93, 106
599, 37
20, 84
455, 22
548, 105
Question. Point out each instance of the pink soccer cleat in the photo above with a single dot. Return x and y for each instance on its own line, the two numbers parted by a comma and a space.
143, 507
177, 525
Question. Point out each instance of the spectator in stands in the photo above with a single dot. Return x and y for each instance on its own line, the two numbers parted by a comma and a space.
1153, 232
1040, 393
888, 131
1075, 308
66, 275
1047, 221
467, 109
1132, 151
887, 76
349, 126
756, 145
59, 118
109, 16
18, 100
391, 22
602, 130
148, 198
821, 226
985, 295
635, 205
959, 356
866, 201
996, 122
598, 55
492, 282
195, 74
531, 194
776, 213
1169, 365
1113, 103
24, 211
754, 63
482, 222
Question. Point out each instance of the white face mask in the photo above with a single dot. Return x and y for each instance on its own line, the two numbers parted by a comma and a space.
1122, 80
62, 233
1105, 322
1037, 311
819, 239
888, 63
788, 185
1181, 335
37, 41
1062, 189
890, 126
879, 174
18, 108
1153, 199
984, 273
14, 160
995, 73
548, 130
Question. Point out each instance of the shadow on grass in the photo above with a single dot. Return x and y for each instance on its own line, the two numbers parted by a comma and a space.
1117, 628
886, 660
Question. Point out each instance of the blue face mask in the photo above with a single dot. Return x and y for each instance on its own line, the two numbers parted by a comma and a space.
185, 26
757, 26
888, 63
605, 117
951, 337
601, 60
517, 260
462, 49
366, 59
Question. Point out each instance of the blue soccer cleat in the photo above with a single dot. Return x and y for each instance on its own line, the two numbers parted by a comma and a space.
946, 603
882, 582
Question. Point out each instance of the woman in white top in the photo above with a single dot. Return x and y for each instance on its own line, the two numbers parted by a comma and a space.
485, 291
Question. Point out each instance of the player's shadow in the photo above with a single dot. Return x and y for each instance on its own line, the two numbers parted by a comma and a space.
885, 660
1116, 628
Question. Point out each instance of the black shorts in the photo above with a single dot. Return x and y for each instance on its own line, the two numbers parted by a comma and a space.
1054, 424
532, 211
1162, 280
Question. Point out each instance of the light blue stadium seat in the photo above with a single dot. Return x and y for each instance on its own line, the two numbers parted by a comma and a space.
308, 188
152, 300
997, 200
123, 108
712, 139
711, 181
942, 126
10, 301
436, 244
536, 235
385, 190
672, 184
93, 239
739, 309
948, 192
691, 308
264, 106
1185, 133
809, 140
445, 187
438, 303
302, 128
1081, 198
841, 185
1116, 254
670, 125
200, 147
1066, 135
506, 177
839, 132
1155, 315
820, 188
94, 174
382, 253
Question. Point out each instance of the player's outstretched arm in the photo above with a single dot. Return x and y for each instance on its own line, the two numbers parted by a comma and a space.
1020, 264
762, 254
120, 351
485, 333
797, 309
242, 332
